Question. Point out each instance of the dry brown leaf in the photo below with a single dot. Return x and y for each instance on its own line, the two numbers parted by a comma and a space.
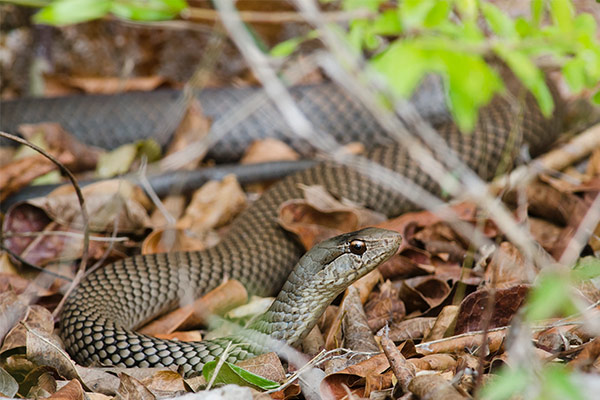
132, 389
384, 307
434, 362
433, 386
403, 370
218, 301
213, 205
112, 85
473, 308
71, 391
423, 293
193, 127
174, 204
36, 317
12, 310
18, 174
357, 333
267, 150
44, 349
58, 141
176, 239
165, 384
320, 216
508, 268
458, 344
445, 320
589, 358
415, 328
184, 336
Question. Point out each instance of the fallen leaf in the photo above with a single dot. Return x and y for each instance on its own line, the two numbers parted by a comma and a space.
384, 307
132, 389
213, 205
71, 391
445, 320
216, 302
411, 329
36, 317
433, 386
176, 239
112, 85
320, 216
508, 268
269, 149
58, 141
423, 293
8, 385
506, 303
193, 127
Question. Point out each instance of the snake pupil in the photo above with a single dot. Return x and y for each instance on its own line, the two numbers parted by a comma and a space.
358, 247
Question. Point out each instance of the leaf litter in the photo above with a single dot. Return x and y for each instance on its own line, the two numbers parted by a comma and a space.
425, 323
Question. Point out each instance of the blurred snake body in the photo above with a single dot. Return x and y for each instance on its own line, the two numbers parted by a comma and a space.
98, 321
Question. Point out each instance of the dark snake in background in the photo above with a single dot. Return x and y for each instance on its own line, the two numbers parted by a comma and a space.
99, 317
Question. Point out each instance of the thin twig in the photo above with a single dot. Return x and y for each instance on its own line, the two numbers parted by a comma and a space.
84, 214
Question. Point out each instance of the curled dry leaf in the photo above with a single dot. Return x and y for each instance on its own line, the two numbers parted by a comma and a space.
176, 239
36, 317
71, 391
402, 369
434, 386
508, 268
12, 310
218, 301
132, 389
505, 304
269, 149
57, 141
213, 205
320, 216
357, 333
411, 329
112, 85
423, 293
384, 307
443, 323
174, 205
45, 349
108, 202
193, 127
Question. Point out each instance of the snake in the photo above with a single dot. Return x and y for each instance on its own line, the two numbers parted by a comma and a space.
99, 318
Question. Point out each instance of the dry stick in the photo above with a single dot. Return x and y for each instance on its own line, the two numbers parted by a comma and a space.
84, 214
555, 160
277, 17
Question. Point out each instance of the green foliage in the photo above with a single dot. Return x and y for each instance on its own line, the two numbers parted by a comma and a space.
553, 383
231, 373
66, 12
446, 37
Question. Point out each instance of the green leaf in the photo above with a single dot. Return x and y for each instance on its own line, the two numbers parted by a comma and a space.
537, 9
467, 92
596, 96
387, 23
530, 75
65, 12
437, 14
414, 12
403, 64
230, 373
558, 385
117, 161
467, 9
149, 148
574, 72
550, 297
286, 48
147, 10
501, 24
562, 14
586, 269
508, 383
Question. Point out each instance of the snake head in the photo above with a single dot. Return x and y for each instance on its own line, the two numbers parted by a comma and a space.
335, 263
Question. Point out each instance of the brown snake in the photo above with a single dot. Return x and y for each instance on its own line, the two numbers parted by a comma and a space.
99, 317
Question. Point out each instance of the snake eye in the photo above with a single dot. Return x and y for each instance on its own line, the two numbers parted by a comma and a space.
358, 247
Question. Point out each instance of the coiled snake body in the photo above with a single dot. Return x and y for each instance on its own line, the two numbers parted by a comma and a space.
99, 317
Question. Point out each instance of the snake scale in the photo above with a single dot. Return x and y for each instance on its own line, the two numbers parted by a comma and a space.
98, 321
